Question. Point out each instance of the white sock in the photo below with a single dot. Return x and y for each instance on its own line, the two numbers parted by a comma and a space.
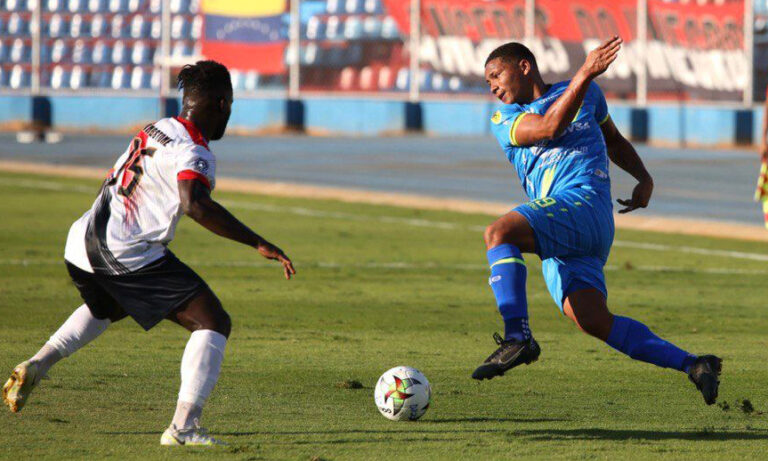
78, 330
200, 368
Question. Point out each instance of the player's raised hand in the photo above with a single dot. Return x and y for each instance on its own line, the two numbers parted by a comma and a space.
270, 251
641, 195
601, 57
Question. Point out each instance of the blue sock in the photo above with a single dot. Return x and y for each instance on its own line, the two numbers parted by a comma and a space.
637, 341
507, 281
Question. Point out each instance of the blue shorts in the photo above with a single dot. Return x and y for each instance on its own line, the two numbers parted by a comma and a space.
574, 233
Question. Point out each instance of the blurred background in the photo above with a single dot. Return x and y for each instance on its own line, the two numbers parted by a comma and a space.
692, 76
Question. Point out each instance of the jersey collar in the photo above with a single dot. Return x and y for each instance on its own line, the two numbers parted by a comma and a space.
194, 133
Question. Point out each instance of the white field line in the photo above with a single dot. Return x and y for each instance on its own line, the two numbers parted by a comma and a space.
414, 222
401, 265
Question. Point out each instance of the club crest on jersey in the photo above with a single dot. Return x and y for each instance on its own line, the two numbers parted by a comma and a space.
496, 118
201, 165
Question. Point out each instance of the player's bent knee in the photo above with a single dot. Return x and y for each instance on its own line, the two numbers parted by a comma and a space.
496, 234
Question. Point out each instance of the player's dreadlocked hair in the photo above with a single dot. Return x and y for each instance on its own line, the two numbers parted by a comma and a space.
512, 52
203, 77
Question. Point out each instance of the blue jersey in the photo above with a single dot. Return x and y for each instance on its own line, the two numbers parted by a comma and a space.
577, 158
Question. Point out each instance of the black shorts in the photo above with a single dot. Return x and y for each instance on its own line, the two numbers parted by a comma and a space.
148, 294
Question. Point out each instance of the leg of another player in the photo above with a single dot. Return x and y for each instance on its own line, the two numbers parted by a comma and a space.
588, 309
505, 240
79, 329
210, 325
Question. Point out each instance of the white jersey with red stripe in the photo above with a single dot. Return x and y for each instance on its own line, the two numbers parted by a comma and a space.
135, 215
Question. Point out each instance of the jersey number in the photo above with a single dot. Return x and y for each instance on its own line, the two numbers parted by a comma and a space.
131, 169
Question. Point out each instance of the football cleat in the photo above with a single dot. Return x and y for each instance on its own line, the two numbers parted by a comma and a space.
193, 436
509, 355
23, 379
704, 373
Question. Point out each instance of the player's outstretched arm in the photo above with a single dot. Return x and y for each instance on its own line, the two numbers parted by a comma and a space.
196, 202
532, 128
623, 154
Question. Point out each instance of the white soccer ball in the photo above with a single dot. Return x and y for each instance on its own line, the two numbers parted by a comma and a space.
403, 393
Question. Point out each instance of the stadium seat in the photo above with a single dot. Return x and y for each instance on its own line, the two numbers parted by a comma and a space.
96, 6
76, 26
154, 81
78, 78
372, 7
99, 79
389, 28
354, 55
59, 51
73, 6
156, 30
237, 79
315, 29
455, 84
196, 31
3, 77
57, 26
372, 27
403, 76
19, 78
366, 78
140, 54
437, 82
98, 26
139, 79
19, 52
57, 78
3, 23
332, 28
353, 28
119, 53
180, 28
3, 51
332, 6
155, 6
116, 26
309, 54
179, 6
32, 5
347, 78
134, 6
117, 6
53, 6
119, 79
81, 53
251, 81
139, 27
100, 53
385, 78
352, 6
17, 25
180, 49
15, 5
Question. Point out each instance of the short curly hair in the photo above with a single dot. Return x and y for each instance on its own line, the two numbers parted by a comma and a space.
204, 78
512, 52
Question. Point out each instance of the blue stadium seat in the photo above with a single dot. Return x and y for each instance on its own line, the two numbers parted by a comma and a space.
180, 28
59, 51
402, 79
100, 53
74, 6
353, 28
117, 26
76, 26
139, 27
354, 55
2, 26
119, 78
19, 52
57, 26
78, 78
196, 31
3, 77
15, 5
372, 27
389, 28
98, 26
119, 53
45, 53
99, 79
53, 5
17, 25
97, 6
3, 51
19, 78
140, 53
179, 6
81, 53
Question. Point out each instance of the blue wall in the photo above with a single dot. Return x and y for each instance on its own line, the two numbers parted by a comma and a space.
662, 123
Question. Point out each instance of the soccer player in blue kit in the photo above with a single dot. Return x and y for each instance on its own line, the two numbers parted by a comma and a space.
559, 138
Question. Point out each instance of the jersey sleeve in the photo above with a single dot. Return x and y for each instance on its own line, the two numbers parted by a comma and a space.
197, 163
504, 125
601, 107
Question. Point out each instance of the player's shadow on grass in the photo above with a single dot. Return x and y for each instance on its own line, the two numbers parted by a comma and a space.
628, 434
492, 420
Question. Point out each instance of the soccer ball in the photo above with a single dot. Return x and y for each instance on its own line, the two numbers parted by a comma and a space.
403, 393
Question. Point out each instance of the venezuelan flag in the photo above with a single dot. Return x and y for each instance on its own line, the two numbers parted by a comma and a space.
246, 34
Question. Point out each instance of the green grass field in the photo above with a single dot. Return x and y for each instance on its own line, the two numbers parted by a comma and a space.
378, 287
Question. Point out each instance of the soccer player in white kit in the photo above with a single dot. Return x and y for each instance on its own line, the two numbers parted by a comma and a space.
117, 253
